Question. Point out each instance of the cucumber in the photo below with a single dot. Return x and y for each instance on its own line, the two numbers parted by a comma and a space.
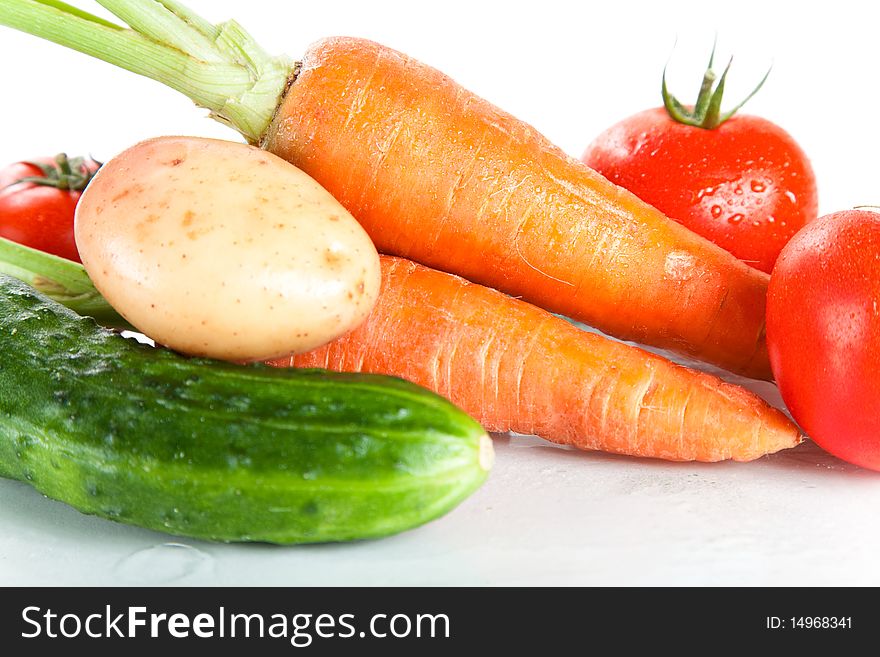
218, 451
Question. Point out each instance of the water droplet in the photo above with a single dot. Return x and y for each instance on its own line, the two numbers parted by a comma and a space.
736, 218
738, 190
164, 563
716, 211
758, 186
771, 220
236, 460
706, 191
790, 196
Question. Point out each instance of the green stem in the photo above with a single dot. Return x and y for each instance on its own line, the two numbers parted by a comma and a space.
706, 112
70, 9
63, 280
219, 67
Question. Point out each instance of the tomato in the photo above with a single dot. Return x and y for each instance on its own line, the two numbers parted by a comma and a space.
741, 182
39, 212
823, 333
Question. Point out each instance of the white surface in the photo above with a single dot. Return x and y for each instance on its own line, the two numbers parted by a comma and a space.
547, 515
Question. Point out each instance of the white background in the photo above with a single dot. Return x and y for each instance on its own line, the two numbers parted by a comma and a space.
547, 515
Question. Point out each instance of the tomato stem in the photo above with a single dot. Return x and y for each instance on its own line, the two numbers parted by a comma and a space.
706, 112
67, 174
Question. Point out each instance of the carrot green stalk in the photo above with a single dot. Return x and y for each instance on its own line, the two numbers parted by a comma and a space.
219, 67
62, 280
442, 177
515, 367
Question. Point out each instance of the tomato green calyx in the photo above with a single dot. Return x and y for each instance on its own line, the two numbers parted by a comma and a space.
706, 112
67, 174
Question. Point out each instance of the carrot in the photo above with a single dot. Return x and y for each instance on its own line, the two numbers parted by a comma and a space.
515, 367
438, 175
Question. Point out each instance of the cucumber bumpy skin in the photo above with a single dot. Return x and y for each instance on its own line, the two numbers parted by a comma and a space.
217, 451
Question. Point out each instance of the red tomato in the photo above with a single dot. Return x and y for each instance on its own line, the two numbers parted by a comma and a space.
823, 333
741, 182
40, 215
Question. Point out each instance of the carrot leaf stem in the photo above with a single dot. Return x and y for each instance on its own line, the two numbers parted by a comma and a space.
70, 9
219, 67
185, 13
63, 280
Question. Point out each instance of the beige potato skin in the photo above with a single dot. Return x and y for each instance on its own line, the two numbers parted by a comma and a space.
220, 249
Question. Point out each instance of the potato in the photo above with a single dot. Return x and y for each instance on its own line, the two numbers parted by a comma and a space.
223, 250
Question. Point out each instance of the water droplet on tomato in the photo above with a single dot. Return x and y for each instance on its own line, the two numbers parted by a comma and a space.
758, 186
771, 220
706, 191
738, 190
736, 218
791, 197
716, 211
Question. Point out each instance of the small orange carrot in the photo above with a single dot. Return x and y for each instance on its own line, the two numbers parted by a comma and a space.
515, 367
438, 175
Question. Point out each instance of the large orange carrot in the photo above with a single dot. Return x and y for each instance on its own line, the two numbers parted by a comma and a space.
443, 177
515, 367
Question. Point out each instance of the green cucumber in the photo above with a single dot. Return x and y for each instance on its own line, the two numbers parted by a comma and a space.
218, 451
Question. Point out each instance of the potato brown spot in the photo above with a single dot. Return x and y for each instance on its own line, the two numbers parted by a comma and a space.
332, 258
